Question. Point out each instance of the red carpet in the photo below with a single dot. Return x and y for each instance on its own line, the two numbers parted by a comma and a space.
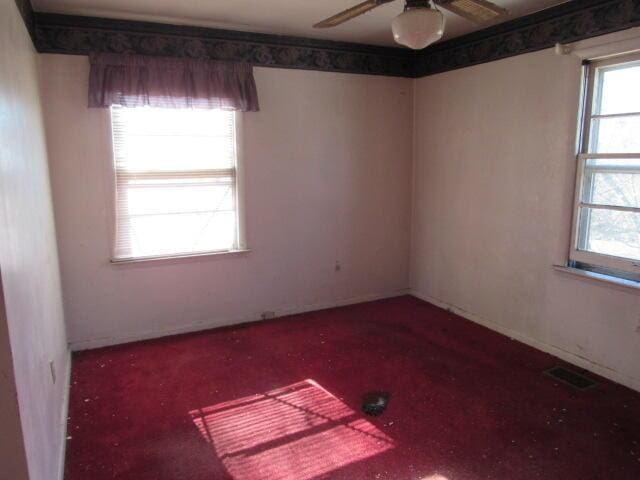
281, 400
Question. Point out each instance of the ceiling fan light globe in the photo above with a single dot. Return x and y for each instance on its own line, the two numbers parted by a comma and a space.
417, 28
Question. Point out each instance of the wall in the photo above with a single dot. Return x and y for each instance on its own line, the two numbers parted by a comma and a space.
12, 453
34, 319
493, 187
327, 165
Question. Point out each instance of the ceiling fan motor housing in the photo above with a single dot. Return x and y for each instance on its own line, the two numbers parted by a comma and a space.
417, 4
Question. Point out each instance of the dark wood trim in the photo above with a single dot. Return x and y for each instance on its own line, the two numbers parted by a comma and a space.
78, 35
26, 11
568, 22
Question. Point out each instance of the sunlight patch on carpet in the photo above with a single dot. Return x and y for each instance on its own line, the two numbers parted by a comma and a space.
293, 433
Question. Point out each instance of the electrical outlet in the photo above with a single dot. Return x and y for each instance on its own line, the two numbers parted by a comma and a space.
267, 315
52, 368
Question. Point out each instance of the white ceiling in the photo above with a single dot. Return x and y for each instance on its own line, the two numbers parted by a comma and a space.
285, 17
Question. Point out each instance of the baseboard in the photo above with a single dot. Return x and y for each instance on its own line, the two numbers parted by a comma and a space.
65, 415
554, 350
282, 312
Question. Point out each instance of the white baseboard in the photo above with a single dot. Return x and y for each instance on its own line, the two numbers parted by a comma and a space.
65, 414
565, 355
107, 341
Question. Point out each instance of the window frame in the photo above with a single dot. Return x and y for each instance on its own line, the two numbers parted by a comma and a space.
617, 266
110, 168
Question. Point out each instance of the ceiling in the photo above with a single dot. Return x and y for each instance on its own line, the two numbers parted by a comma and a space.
285, 17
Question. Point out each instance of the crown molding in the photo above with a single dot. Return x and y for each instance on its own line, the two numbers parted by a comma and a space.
78, 35
568, 22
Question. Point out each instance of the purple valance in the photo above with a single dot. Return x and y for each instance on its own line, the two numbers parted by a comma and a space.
139, 80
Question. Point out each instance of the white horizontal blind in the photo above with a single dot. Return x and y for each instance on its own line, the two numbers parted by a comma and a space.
608, 199
175, 173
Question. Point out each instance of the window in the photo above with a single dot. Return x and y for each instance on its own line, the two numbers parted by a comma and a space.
607, 207
176, 182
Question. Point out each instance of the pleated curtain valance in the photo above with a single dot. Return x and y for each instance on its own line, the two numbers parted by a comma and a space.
139, 80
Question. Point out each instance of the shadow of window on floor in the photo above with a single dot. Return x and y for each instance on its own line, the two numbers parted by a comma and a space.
293, 433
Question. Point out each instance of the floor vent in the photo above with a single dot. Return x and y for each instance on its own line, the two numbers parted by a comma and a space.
571, 378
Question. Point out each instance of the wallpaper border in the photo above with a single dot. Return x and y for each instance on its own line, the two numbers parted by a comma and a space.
568, 22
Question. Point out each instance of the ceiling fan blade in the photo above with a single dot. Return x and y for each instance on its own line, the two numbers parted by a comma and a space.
350, 13
478, 11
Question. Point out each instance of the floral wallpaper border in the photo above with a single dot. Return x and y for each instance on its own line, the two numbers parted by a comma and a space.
567, 22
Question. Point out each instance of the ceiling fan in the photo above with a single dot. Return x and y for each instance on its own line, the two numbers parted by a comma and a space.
421, 23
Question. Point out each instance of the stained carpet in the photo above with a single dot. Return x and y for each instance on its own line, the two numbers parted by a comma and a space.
280, 400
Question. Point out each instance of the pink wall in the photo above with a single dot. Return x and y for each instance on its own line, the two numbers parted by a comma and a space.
327, 165
493, 190
32, 318
12, 452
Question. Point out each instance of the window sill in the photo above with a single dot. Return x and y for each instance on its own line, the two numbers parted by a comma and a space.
599, 277
171, 258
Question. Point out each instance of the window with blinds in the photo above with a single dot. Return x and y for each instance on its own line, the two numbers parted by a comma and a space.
607, 207
176, 189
